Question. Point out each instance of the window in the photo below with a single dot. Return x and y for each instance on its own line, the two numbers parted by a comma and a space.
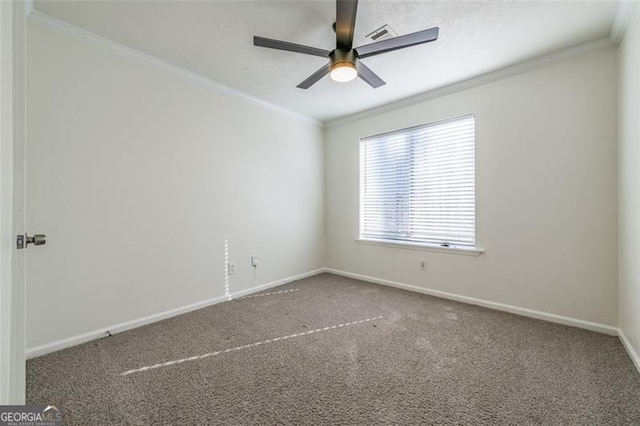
417, 185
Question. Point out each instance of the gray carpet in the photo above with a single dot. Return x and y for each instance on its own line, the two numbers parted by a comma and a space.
277, 359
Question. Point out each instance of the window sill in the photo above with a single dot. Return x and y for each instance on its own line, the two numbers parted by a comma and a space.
467, 251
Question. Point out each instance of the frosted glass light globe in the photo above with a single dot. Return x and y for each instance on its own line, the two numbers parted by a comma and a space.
343, 73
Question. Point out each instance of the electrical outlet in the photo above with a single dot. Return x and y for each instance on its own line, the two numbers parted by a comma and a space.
255, 261
231, 268
423, 264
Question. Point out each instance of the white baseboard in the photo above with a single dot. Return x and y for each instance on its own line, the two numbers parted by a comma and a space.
627, 345
118, 328
573, 322
262, 287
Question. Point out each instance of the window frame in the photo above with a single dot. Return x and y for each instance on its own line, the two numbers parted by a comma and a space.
474, 250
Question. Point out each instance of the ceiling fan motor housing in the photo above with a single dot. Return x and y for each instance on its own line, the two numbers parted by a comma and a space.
341, 56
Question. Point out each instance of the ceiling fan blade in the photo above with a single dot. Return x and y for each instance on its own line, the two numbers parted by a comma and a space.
345, 23
313, 78
399, 42
370, 77
290, 47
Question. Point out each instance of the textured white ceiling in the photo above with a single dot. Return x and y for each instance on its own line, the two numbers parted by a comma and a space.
214, 39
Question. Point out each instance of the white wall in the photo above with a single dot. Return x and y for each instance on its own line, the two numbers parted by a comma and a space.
545, 188
629, 181
137, 173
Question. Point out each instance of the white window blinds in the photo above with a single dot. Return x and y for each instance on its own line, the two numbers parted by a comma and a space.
418, 184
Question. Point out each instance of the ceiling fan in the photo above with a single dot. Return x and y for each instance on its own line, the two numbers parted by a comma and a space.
344, 61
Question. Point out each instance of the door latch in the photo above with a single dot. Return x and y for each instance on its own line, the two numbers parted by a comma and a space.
24, 240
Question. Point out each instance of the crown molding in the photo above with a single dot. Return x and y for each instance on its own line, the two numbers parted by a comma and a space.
622, 18
61, 27
623, 15
499, 74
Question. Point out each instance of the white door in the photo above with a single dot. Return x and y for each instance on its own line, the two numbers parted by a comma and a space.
12, 201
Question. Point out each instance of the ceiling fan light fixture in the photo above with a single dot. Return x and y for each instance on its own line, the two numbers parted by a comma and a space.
344, 61
343, 72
